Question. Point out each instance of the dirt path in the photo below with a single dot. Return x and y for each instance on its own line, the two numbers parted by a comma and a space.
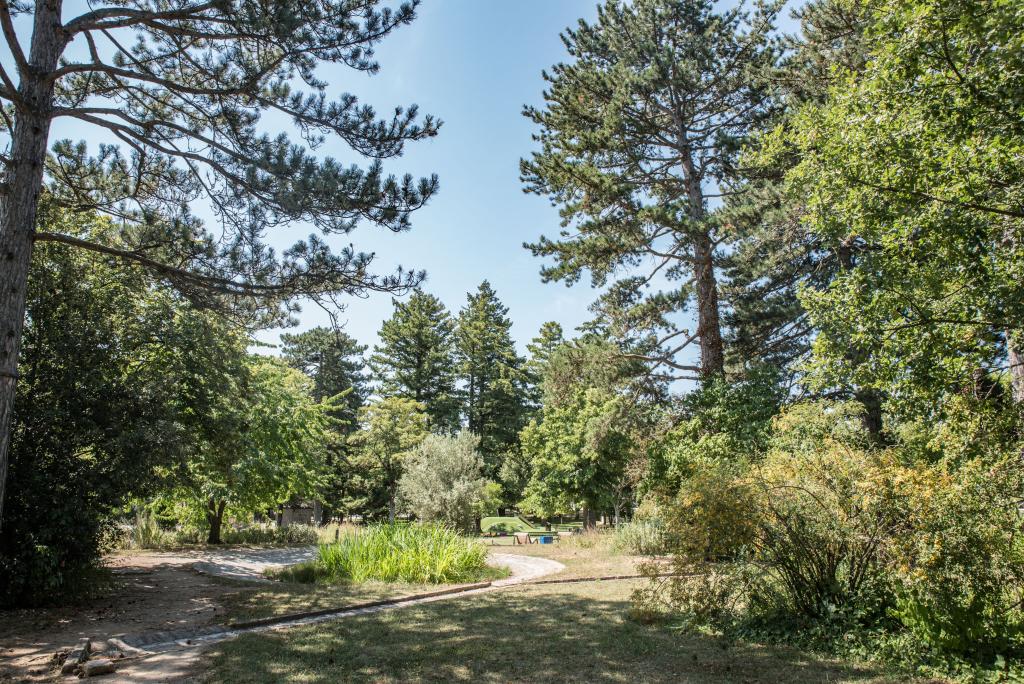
176, 660
151, 592
161, 594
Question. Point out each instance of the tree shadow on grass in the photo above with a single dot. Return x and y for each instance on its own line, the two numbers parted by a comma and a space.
527, 635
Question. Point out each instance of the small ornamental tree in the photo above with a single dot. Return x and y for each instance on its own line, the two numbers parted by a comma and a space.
444, 481
270, 446
179, 89
390, 429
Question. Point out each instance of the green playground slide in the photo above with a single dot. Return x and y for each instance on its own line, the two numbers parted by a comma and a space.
510, 525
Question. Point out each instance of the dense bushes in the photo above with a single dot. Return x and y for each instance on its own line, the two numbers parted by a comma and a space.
826, 529
98, 410
959, 561
421, 554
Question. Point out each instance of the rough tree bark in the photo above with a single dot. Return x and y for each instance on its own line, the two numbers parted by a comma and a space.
709, 326
214, 518
19, 200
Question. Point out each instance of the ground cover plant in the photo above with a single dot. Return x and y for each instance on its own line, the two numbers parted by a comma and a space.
418, 554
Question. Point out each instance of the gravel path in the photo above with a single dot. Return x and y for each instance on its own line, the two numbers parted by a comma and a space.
174, 660
249, 564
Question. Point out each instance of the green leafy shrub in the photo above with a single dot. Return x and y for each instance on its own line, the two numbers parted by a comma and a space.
831, 541
420, 554
98, 409
145, 532
802, 533
720, 421
960, 562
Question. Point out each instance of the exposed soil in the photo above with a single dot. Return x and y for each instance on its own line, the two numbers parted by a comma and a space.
151, 592
161, 592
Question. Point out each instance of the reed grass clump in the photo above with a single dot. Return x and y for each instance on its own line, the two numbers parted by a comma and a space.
414, 554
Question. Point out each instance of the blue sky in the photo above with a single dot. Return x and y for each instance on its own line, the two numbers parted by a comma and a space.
474, 65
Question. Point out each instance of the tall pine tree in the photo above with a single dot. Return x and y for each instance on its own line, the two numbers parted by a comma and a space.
775, 254
416, 359
548, 339
492, 375
636, 133
334, 361
183, 86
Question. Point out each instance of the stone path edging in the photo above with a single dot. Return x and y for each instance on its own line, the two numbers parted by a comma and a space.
524, 569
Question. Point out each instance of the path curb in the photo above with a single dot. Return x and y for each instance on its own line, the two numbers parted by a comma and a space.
570, 580
277, 619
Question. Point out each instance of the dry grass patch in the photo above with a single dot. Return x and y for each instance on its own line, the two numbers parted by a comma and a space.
584, 555
541, 633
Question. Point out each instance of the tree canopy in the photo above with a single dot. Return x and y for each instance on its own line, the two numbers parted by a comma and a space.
177, 94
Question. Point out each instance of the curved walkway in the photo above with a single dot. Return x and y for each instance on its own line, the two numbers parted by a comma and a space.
168, 659
248, 564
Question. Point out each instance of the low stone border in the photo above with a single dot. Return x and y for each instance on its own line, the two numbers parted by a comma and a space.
570, 580
278, 619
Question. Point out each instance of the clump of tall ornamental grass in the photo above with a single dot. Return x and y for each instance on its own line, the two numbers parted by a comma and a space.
416, 554
641, 538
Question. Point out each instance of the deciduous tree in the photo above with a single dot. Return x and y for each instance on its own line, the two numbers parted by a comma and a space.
267, 444
915, 165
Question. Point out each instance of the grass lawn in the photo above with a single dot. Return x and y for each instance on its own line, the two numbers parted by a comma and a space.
282, 598
542, 633
553, 633
587, 555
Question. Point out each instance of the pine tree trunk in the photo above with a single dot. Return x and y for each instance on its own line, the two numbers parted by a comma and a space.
709, 327
19, 202
391, 509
